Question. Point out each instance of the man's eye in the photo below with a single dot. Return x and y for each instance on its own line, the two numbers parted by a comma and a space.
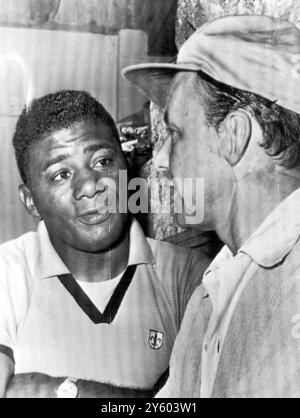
104, 162
63, 175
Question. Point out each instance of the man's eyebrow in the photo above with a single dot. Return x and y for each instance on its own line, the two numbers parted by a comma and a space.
62, 157
55, 160
97, 147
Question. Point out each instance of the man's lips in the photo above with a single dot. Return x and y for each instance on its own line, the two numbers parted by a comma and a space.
94, 217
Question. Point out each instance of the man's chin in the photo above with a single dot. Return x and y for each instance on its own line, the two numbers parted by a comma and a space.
101, 237
95, 245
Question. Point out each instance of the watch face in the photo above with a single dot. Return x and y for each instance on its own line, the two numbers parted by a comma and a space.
67, 389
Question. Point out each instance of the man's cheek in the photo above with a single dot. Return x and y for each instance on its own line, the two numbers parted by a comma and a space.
107, 200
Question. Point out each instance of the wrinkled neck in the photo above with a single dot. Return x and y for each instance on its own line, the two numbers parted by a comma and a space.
256, 196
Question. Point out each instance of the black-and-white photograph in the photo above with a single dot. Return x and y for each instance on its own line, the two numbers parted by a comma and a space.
149, 201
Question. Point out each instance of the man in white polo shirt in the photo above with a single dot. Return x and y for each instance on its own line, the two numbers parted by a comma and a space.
86, 299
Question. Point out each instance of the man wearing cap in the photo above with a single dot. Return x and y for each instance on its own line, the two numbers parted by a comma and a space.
233, 112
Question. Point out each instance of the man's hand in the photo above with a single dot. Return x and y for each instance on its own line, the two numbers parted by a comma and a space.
35, 385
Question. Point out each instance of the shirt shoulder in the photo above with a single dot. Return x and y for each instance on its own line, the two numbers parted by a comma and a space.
293, 259
18, 257
287, 274
17, 273
174, 258
179, 270
264, 327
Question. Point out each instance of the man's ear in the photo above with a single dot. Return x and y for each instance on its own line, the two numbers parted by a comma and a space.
236, 133
27, 200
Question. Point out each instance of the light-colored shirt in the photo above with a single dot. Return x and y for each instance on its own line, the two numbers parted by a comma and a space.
49, 333
243, 322
100, 293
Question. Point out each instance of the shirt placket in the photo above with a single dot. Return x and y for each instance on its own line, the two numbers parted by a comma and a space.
212, 341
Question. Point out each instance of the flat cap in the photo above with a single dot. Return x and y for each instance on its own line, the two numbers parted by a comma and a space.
259, 54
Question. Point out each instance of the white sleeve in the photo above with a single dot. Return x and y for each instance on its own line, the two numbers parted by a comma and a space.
7, 316
14, 296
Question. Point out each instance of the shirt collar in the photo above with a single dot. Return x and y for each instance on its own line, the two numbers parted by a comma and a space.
278, 234
211, 280
49, 263
269, 244
139, 251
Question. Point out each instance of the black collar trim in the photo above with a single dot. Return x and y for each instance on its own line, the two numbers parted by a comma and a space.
87, 305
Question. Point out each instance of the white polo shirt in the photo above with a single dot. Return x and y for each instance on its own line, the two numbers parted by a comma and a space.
48, 331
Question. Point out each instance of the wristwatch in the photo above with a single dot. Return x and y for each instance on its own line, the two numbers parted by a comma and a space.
68, 389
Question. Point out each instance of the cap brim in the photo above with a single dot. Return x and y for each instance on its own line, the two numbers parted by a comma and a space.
154, 80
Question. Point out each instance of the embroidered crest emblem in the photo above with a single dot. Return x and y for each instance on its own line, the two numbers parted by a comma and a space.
156, 339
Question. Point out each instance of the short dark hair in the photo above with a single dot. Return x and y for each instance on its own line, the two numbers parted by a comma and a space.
280, 127
51, 113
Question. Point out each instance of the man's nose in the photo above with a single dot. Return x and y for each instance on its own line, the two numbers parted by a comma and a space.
162, 158
87, 184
